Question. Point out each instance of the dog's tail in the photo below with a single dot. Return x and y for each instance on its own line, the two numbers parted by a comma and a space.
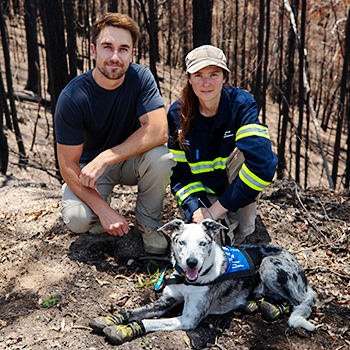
301, 312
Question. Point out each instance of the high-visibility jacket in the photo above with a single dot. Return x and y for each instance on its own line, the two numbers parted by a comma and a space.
201, 164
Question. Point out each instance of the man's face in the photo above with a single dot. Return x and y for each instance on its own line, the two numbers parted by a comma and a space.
113, 53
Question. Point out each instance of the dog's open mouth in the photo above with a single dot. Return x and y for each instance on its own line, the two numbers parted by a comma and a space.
191, 274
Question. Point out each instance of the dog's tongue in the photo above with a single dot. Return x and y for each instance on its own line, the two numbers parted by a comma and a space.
191, 274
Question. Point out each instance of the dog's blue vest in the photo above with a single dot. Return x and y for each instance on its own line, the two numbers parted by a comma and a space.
236, 260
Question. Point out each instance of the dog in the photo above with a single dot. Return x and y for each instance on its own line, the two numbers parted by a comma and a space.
200, 282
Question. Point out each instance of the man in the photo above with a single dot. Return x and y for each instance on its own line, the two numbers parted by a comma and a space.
111, 128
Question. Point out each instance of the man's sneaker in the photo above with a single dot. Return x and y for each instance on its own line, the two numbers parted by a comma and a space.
250, 307
154, 241
123, 333
99, 323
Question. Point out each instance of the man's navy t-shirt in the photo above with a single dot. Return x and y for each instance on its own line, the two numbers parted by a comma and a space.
99, 118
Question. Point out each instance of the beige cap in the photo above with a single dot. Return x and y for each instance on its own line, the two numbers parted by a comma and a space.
204, 56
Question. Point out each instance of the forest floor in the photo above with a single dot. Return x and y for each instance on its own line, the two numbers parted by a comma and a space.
54, 281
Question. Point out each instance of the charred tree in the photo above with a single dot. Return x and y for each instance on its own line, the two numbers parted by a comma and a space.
266, 61
301, 91
5, 107
287, 95
202, 22
4, 149
184, 31
56, 52
69, 12
112, 5
257, 89
244, 33
32, 46
344, 80
170, 34
152, 47
10, 89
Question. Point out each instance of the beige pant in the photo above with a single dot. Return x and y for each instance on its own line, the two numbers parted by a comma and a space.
151, 171
241, 223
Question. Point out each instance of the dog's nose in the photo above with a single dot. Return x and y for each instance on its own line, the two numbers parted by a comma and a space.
191, 263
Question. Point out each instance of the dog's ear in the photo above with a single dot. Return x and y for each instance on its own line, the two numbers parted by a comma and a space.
173, 227
210, 227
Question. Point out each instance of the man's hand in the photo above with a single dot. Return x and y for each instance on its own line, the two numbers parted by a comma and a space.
92, 171
114, 223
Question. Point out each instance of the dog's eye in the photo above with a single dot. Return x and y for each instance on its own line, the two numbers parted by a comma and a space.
181, 242
203, 244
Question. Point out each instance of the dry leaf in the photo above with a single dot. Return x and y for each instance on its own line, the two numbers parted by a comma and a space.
187, 341
102, 283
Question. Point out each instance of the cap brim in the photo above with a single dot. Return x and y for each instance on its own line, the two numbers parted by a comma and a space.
205, 63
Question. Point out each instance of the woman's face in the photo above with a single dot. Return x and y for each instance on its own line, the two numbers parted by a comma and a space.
207, 83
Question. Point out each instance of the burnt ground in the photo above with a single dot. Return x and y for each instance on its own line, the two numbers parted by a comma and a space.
54, 281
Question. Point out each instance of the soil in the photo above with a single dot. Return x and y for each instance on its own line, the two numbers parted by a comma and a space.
54, 281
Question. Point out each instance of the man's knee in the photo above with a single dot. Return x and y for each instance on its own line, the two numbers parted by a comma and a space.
161, 160
78, 219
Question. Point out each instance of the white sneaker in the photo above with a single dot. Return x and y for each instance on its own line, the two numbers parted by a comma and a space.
154, 241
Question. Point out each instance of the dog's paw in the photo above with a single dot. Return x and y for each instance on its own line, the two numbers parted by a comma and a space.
122, 333
99, 323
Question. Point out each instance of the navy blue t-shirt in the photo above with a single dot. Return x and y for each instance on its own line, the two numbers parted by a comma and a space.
99, 118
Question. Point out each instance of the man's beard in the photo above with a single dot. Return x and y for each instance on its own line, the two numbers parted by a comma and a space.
112, 73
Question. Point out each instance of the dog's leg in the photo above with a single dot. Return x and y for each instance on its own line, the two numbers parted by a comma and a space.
283, 275
196, 307
169, 299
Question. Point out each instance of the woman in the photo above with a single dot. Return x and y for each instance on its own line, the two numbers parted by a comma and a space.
223, 153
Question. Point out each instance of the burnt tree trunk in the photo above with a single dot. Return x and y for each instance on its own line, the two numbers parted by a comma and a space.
112, 5
202, 22
4, 149
53, 24
301, 92
287, 96
184, 31
32, 46
342, 108
4, 105
257, 90
10, 89
69, 12
152, 53
266, 61
244, 33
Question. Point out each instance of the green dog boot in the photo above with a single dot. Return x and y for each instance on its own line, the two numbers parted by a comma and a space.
270, 311
122, 333
99, 323
250, 307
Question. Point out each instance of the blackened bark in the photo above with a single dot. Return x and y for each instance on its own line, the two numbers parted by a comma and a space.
202, 22
69, 6
32, 45
10, 89
342, 108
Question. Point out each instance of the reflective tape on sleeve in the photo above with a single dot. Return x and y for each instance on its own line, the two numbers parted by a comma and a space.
252, 130
251, 179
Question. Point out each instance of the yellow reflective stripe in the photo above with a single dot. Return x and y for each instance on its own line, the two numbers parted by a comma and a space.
178, 155
193, 187
207, 166
252, 130
251, 179
184, 192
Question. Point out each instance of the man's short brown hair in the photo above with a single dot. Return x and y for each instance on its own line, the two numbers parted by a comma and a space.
116, 20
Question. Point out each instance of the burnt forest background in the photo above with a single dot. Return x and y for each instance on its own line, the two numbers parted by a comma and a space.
291, 55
